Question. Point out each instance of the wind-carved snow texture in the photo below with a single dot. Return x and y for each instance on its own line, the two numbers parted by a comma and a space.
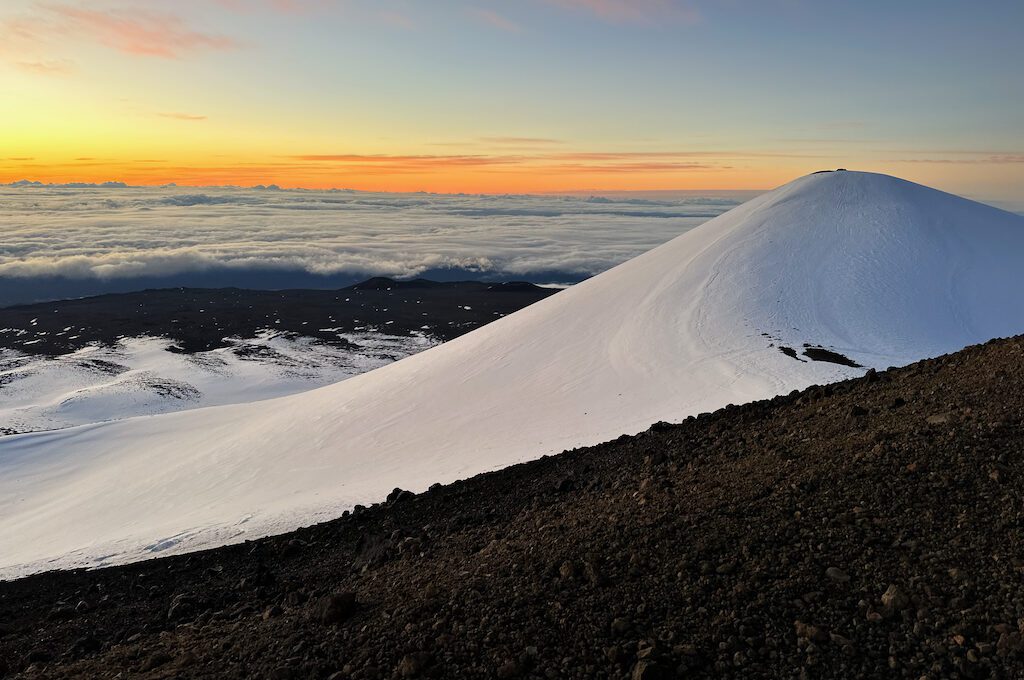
876, 269
139, 376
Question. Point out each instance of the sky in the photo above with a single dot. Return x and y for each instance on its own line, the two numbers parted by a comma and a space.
525, 96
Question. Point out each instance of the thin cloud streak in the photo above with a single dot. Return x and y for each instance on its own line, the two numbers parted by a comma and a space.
141, 32
59, 67
521, 141
634, 11
132, 31
495, 20
998, 159
182, 116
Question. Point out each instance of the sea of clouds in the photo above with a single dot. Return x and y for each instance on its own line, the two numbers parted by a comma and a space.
63, 241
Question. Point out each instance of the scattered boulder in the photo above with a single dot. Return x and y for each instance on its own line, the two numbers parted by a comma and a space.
336, 608
182, 606
413, 665
399, 495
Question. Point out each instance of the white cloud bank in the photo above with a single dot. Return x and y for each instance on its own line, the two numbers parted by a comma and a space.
114, 232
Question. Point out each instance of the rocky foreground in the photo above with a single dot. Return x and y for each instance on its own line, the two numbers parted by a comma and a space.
867, 529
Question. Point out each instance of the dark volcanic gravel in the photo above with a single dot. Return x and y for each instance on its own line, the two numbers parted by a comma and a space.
199, 319
866, 529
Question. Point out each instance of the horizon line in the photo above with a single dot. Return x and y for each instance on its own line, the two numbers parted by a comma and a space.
120, 184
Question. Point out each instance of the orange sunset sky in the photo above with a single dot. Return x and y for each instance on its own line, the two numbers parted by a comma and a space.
527, 96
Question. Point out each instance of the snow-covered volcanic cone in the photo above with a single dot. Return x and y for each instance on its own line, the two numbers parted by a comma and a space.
872, 268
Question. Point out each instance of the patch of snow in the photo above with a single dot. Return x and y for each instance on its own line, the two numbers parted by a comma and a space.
140, 377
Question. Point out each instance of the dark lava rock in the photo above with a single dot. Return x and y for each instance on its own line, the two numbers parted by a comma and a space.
182, 607
836, 574
413, 665
199, 319
399, 495
336, 608
39, 655
155, 661
86, 645
822, 354
507, 670
770, 540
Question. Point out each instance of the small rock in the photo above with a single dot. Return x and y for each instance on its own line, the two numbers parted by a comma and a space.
61, 612
836, 574
86, 645
567, 571
181, 606
838, 639
894, 598
412, 665
155, 661
808, 632
508, 670
1009, 643
295, 597
39, 655
333, 609
647, 670
399, 495
938, 419
272, 612
621, 626
292, 547
593, 573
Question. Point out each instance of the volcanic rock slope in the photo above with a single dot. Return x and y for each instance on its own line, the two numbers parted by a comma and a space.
861, 268
868, 529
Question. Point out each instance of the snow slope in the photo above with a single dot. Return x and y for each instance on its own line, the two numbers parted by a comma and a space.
881, 270
138, 376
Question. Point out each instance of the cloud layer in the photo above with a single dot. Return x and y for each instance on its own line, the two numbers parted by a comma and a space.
117, 232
